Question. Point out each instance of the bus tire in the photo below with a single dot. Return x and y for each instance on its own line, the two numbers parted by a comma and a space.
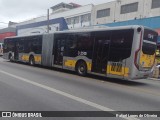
81, 68
31, 60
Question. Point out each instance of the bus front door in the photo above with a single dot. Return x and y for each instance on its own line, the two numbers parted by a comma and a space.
59, 50
100, 56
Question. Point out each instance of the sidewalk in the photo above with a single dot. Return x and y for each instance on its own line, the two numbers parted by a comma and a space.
154, 79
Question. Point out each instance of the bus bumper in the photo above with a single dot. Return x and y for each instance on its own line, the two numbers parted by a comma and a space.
141, 75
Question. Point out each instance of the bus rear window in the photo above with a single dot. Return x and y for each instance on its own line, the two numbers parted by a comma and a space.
150, 35
149, 42
148, 48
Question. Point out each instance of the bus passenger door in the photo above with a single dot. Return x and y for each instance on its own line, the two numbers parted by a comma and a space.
16, 51
59, 51
100, 55
47, 48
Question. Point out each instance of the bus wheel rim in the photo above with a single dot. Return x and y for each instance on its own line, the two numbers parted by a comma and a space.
31, 62
81, 69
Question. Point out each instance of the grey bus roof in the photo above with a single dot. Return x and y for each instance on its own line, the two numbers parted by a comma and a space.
100, 28
90, 29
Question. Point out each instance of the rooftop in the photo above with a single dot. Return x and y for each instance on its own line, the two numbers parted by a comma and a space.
65, 5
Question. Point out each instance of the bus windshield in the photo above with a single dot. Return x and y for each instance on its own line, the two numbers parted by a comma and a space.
149, 42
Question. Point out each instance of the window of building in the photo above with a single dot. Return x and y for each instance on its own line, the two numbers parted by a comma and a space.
86, 18
75, 20
103, 13
128, 8
155, 4
68, 20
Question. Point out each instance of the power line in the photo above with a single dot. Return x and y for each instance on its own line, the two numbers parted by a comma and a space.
3, 22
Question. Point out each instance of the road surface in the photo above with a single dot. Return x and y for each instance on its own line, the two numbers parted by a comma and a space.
28, 88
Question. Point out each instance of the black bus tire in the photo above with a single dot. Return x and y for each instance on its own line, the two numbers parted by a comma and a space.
81, 68
31, 60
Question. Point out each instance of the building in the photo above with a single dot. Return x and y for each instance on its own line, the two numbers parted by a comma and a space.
40, 27
7, 32
124, 10
116, 13
76, 17
64, 16
64, 7
128, 12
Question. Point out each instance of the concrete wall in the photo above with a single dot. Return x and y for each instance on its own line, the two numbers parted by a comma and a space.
144, 11
148, 11
128, 16
103, 20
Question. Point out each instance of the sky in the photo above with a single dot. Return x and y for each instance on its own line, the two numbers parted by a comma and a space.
21, 10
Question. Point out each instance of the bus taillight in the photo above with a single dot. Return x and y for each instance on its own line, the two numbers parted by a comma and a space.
136, 53
135, 59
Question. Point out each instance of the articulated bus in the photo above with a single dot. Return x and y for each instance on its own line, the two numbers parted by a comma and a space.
1, 49
126, 52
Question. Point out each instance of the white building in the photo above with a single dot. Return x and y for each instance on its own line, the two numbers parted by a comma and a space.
74, 15
123, 10
77, 16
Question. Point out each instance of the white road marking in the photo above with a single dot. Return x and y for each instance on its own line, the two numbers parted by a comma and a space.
92, 104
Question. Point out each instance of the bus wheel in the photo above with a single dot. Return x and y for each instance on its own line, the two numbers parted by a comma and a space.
31, 61
81, 68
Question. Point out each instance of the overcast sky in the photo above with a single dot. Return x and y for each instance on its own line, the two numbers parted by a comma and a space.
20, 10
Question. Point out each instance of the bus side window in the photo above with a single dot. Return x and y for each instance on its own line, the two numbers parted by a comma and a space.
71, 45
121, 45
71, 42
84, 41
21, 46
10, 44
37, 45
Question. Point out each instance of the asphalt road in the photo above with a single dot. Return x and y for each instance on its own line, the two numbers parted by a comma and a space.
27, 88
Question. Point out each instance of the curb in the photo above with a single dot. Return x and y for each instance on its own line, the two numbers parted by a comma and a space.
154, 79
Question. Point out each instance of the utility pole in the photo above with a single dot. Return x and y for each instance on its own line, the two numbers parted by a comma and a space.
48, 21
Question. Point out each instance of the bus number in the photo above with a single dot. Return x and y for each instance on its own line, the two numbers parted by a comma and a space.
150, 36
80, 53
